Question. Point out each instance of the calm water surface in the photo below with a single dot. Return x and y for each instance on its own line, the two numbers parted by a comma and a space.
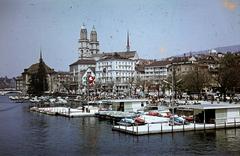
29, 133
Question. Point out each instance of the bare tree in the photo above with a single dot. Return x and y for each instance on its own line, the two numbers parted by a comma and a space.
196, 80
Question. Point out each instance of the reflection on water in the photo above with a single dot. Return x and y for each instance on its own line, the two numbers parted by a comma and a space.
29, 133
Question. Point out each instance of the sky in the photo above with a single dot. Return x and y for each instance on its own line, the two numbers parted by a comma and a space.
157, 28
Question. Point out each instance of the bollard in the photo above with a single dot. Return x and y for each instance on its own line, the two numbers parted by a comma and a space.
235, 122
225, 124
148, 128
215, 126
183, 126
137, 128
194, 125
161, 127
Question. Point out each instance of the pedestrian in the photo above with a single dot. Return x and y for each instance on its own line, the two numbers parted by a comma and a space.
68, 110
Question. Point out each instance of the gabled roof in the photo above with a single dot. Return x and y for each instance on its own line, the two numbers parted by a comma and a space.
93, 69
84, 62
83, 72
209, 59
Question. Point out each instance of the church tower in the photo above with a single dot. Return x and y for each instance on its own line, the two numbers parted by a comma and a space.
94, 44
88, 47
83, 43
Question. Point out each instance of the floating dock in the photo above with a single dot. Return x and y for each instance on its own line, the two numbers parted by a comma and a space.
63, 111
161, 128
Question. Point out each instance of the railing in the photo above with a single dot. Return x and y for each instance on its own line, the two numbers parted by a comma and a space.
166, 128
226, 122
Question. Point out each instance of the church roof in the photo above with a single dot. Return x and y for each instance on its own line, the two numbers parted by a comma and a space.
84, 62
34, 69
114, 56
125, 54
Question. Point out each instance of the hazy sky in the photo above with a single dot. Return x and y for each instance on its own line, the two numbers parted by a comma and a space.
158, 28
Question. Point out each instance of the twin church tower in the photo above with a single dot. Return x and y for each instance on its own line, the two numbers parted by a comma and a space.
88, 47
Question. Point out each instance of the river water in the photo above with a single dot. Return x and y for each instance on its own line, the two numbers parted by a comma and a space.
29, 133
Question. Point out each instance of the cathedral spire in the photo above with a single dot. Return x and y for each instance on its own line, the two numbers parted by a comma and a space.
128, 44
40, 59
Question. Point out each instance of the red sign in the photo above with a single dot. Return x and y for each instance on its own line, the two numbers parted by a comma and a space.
91, 79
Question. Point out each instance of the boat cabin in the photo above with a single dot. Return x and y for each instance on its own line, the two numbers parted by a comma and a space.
126, 105
214, 113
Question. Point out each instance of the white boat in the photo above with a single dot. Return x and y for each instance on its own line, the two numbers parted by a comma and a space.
34, 100
154, 119
126, 122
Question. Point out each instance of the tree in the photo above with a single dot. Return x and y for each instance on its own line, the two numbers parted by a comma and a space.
173, 82
228, 74
131, 85
196, 80
32, 83
38, 81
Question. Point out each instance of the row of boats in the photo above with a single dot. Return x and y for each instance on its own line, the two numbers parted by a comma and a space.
35, 99
148, 119
141, 118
